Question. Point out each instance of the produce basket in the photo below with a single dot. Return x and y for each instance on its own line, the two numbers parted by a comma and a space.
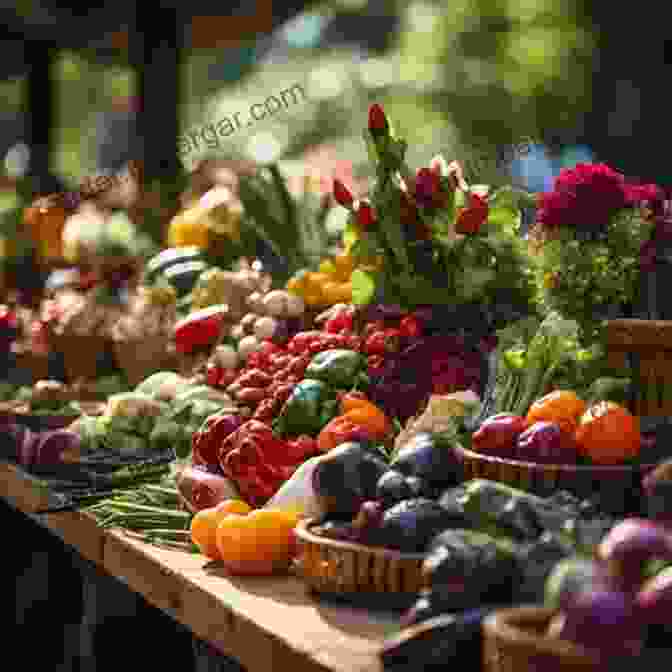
345, 570
139, 359
644, 347
513, 641
618, 487
80, 353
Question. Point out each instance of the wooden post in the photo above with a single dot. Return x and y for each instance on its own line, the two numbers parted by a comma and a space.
155, 50
40, 109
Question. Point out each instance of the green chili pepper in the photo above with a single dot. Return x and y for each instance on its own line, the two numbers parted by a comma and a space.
338, 368
309, 408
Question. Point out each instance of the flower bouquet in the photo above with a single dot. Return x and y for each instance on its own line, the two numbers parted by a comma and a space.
448, 255
598, 240
430, 239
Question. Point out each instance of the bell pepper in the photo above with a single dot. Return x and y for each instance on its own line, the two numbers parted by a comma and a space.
200, 329
362, 412
257, 461
340, 429
260, 542
207, 441
308, 409
339, 368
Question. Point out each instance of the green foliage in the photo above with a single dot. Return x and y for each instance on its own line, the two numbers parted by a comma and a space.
592, 276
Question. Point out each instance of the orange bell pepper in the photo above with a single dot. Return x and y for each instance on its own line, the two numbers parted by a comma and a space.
362, 412
562, 407
339, 430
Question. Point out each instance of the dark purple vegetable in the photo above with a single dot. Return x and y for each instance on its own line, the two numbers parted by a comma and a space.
412, 524
498, 435
347, 477
430, 459
366, 524
466, 566
546, 443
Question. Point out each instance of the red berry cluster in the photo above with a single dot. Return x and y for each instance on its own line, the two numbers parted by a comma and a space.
382, 340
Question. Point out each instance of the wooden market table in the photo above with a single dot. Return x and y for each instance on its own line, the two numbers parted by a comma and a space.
265, 623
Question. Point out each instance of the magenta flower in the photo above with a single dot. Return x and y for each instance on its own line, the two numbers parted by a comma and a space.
585, 197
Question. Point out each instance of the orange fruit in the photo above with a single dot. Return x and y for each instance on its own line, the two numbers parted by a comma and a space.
608, 434
345, 265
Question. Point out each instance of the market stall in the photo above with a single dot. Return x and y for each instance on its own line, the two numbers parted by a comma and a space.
420, 416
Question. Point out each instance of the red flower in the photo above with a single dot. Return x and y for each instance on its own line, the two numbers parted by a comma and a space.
427, 186
586, 197
378, 124
649, 196
366, 217
470, 220
342, 194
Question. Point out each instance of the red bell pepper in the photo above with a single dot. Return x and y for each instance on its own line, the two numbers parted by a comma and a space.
200, 329
206, 442
257, 461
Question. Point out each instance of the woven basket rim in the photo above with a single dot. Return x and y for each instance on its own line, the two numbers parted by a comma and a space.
303, 532
610, 469
505, 625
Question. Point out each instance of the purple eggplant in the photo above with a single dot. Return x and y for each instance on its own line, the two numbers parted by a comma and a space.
546, 443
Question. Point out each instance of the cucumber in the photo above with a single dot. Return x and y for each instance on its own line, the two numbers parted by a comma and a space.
158, 264
184, 276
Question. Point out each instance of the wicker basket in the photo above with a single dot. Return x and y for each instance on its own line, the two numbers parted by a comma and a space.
513, 641
140, 359
345, 569
644, 347
80, 354
620, 482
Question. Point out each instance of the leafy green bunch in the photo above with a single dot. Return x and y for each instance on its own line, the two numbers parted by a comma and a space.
592, 280
428, 238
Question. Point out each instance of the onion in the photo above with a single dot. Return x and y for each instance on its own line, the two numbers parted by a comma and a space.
295, 305
226, 357
237, 332
276, 303
247, 346
255, 302
265, 327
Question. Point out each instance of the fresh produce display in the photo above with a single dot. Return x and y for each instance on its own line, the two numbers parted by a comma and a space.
371, 388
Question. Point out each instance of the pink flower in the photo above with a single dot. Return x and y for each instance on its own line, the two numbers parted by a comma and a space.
648, 196
586, 197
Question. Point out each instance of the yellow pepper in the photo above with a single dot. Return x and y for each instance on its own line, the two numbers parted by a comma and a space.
260, 542
189, 228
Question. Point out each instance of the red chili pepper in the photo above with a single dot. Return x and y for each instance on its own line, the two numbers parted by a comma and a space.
378, 124
342, 194
410, 327
200, 329
366, 217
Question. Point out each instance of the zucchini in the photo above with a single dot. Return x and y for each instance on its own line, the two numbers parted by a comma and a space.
184, 276
158, 264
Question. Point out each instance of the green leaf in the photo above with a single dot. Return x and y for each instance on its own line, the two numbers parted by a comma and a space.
391, 224
363, 287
